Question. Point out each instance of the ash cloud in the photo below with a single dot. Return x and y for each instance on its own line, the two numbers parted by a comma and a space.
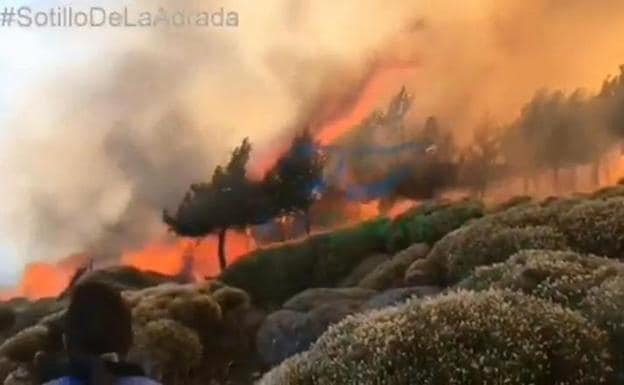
102, 150
99, 151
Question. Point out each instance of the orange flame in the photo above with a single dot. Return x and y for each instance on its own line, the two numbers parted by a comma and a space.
383, 83
42, 279
400, 208
168, 256
368, 210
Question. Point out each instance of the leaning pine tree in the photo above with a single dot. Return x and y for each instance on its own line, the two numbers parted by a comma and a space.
229, 201
295, 180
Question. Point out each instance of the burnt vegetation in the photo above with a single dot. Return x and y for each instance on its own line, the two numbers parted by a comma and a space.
387, 159
231, 200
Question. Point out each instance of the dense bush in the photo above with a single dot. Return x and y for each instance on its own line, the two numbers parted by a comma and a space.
609, 192
213, 312
430, 223
231, 298
513, 202
546, 213
596, 227
23, 346
564, 277
200, 307
168, 349
487, 338
390, 273
590, 284
275, 274
484, 243
603, 304
7, 318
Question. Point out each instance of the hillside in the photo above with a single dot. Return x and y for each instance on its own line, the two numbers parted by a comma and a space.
527, 292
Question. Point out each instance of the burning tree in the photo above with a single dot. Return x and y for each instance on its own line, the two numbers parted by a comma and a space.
479, 162
294, 182
612, 99
229, 201
556, 131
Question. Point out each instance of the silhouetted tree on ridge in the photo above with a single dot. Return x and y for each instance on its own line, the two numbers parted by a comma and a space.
295, 181
229, 201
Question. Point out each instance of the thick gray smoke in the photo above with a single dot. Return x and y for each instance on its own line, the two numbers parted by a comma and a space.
101, 149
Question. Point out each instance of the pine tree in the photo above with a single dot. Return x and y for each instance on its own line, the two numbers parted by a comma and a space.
229, 201
296, 179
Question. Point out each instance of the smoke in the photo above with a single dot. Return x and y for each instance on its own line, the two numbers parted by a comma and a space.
97, 153
104, 148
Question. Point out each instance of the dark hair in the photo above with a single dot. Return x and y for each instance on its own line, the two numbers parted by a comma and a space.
98, 321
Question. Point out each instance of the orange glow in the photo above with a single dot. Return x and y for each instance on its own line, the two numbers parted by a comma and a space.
368, 210
400, 207
167, 256
383, 83
41, 279
171, 256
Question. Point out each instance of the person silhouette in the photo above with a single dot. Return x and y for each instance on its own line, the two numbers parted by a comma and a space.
97, 336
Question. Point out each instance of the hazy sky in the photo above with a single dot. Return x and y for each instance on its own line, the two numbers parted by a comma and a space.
475, 59
31, 56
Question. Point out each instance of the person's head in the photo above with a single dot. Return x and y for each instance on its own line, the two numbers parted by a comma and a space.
98, 321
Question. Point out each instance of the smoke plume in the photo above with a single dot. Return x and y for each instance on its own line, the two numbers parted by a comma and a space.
98, 152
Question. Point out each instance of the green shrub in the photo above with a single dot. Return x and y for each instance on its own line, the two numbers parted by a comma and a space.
190, 305
603, 304
127, 278
564, 277
592, 285
347, 248
516, 201
485, 243
7, 318
488, 338
430, 225
23, 346
390, 273
616, 191
546, 213
275, 274
168, 349
230, 298
596, 227
199, 312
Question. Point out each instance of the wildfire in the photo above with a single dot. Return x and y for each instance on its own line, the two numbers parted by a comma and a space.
168, 256
401, 207
368, 210
383, 82
42, 279
165, 255
171, 256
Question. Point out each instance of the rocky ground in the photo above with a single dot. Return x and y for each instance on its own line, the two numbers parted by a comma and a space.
449, 293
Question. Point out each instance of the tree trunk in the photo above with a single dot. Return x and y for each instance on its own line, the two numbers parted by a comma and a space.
525, 184
222, 260
555, 175
536, 183
307, 222
574, 179
596, 173
281, 225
